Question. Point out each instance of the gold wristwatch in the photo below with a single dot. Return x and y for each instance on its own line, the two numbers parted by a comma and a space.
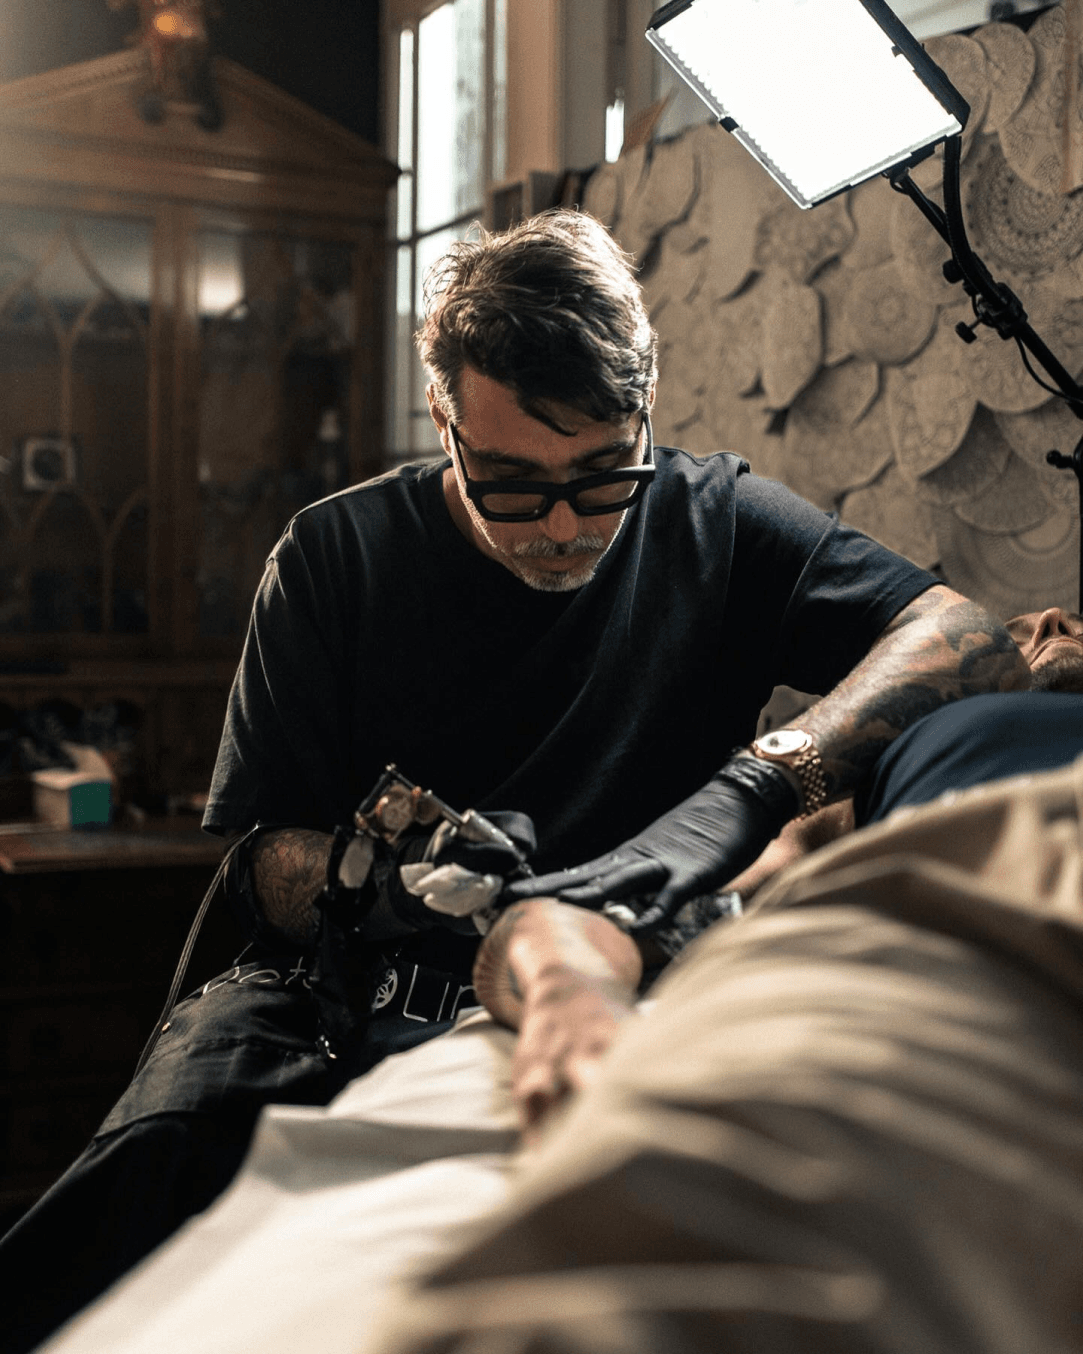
794, 751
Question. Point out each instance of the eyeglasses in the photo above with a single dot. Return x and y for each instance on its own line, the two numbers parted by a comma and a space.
530, 500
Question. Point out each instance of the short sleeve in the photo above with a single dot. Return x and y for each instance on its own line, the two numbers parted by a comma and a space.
835, 589
283, 745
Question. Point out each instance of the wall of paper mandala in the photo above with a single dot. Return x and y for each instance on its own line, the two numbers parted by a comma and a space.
822, 346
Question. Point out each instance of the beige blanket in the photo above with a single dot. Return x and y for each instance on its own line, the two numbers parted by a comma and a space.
851, 1124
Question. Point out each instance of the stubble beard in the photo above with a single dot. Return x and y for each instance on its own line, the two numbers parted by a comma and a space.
517, 558
1064, 672
568, 580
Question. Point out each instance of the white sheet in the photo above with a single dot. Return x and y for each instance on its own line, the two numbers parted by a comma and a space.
330, 1210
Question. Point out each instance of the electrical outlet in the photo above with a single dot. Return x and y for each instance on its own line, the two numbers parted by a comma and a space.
48, 462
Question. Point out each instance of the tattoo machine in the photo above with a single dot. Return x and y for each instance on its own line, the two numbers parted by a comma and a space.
392, 807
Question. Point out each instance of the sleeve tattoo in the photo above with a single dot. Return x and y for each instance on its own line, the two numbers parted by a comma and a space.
289, 868
938, 649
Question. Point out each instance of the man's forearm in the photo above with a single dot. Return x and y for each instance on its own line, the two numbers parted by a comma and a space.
939, 649
289, 869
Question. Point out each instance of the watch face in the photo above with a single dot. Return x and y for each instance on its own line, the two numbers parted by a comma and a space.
784, 742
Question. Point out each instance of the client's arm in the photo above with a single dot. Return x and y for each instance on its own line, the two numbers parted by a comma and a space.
565, 978
799, 838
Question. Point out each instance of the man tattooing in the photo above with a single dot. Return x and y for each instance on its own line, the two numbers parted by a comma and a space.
557, 621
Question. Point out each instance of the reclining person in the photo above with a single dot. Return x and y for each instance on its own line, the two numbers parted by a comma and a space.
335, 1208
1029, 736
853, 1118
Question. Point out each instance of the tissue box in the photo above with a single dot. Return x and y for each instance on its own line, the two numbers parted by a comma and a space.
78, 797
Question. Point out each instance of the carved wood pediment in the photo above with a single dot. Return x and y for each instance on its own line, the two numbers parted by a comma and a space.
83, 123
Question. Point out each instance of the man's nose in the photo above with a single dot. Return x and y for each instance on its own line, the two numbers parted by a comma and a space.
561, 523
1054, 621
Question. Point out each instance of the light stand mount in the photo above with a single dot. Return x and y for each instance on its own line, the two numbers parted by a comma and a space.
994, 303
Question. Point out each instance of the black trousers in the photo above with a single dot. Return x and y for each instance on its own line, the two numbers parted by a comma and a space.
176, 1137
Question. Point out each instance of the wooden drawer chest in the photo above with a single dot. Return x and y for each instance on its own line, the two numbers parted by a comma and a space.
91, 926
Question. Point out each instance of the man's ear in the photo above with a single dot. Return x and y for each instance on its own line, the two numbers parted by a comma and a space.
436, 412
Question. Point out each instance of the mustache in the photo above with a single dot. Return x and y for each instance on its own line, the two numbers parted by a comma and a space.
547, 549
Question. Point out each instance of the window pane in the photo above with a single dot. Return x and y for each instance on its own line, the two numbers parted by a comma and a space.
424, 440
404, 214
403, 357
406, 98
498, 107
451, 112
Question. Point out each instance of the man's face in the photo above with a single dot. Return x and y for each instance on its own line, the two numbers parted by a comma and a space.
1051, 641
560, 551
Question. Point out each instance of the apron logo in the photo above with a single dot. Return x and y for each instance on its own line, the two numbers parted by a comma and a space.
386, 990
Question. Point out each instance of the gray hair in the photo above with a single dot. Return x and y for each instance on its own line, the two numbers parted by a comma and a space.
551, 309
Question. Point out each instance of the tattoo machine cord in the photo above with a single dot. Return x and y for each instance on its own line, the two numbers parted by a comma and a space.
190, 944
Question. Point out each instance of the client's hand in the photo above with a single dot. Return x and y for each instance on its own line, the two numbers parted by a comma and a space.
565, 1030
564, 978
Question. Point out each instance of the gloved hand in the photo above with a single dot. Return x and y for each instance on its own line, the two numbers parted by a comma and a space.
380, 892
366, 904
457, 878
692, 850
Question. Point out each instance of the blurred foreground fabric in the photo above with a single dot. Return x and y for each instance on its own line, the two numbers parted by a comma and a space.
852, 1122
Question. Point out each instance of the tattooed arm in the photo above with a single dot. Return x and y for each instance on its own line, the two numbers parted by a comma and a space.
938, 649
289, 868
565, 979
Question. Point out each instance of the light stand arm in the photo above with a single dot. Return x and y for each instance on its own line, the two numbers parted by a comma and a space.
995, 304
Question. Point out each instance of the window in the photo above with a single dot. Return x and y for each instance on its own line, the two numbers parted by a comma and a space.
447, 132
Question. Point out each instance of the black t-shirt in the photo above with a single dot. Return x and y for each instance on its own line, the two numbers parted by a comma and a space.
972, 742
380, 634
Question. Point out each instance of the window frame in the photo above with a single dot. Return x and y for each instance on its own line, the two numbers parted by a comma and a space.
410, 433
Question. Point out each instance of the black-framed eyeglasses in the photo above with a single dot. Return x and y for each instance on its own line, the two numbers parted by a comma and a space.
530, 500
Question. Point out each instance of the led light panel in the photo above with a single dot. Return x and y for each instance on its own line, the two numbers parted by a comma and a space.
824, 93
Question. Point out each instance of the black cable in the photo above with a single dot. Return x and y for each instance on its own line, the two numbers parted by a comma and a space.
189, 947
1053, 390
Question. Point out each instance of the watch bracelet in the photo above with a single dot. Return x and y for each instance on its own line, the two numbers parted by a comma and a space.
805, 773
809, 768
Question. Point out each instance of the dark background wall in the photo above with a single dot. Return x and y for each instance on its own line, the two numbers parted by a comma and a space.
325, 52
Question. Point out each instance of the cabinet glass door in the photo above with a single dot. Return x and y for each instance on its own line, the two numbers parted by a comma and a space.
276, 331
75, 294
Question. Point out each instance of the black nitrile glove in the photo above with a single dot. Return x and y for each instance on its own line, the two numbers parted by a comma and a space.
366, 912
695, 848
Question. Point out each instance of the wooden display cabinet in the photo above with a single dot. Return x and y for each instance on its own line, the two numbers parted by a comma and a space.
190, 350
91, 928
191, 327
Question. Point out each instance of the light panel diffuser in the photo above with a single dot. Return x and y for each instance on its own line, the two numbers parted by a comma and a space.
824, 93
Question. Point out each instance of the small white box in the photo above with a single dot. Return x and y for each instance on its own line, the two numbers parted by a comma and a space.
78, 797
